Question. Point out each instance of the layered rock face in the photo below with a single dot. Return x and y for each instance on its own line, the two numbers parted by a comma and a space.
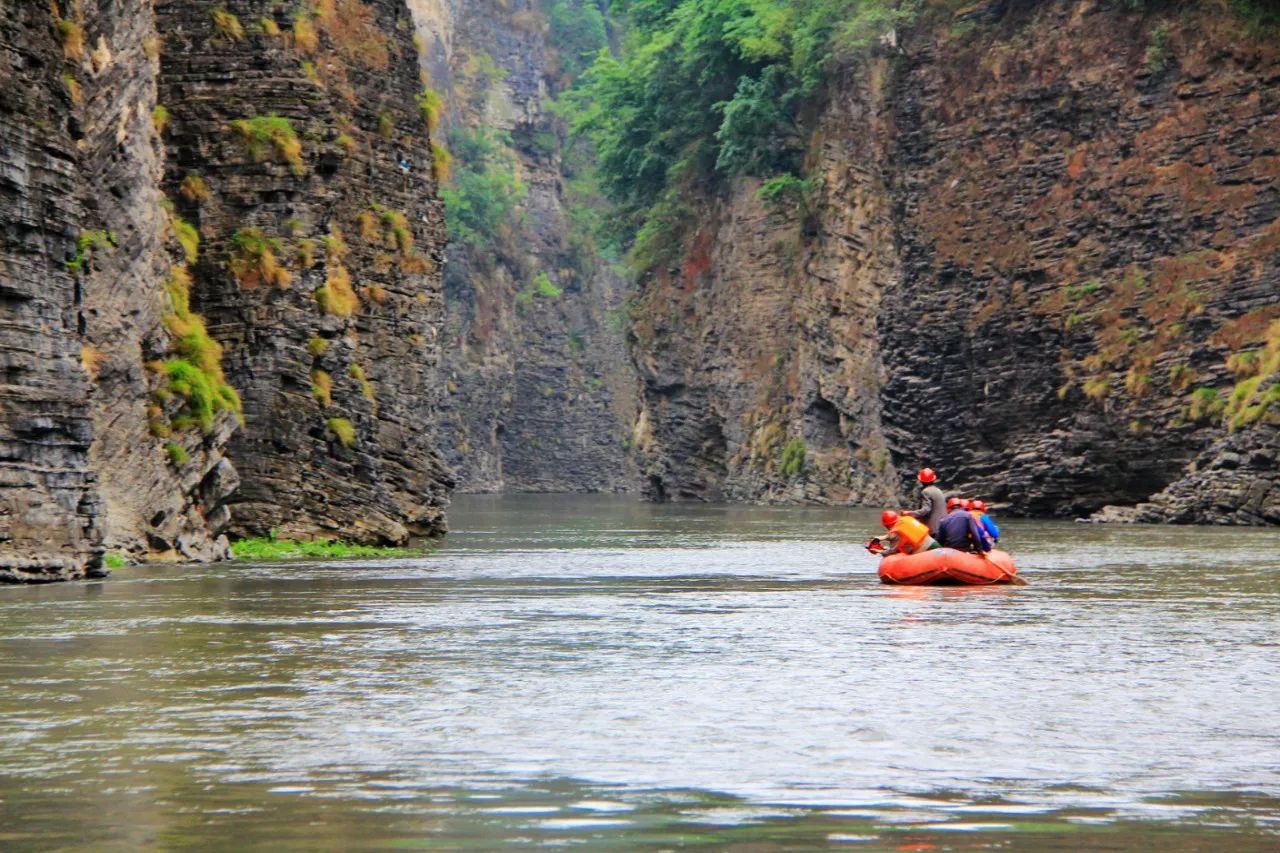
1087, 210
758, 355
163, 494
186, 176
1043, 260
49, 503
298, 152
540, 392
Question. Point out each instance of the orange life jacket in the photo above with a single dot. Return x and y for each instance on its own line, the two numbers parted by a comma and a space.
911, 532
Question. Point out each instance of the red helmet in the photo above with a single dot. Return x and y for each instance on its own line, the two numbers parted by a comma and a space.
952, 503
980, 506
888, 518
927, 475
964, 503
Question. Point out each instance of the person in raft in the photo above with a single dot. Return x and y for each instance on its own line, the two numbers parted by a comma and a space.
979, 510
905, 536
935, 502
959, 530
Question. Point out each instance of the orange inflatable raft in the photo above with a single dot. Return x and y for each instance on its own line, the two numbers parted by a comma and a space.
948, 566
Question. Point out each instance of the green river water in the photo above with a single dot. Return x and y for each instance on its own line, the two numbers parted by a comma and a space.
600, 674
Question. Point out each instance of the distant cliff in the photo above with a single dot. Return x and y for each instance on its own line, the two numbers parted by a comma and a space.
540, 394
225, 291
1037, 249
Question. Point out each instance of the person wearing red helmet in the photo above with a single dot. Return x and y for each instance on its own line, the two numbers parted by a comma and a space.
935, 502
979, 510
959, 530
906, 535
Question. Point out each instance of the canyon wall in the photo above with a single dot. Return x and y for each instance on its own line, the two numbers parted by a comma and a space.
540, 393
49, 501
298, 152
1042, 258
221, 271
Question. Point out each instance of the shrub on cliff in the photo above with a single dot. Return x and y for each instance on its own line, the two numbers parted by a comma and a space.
578, 33
254, 260
484, 191
195, 375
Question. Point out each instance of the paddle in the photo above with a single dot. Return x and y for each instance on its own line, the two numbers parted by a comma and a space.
1013, 579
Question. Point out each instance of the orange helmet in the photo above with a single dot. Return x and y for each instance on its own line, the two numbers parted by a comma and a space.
927, 475
952, 503
964, 503
888, 518
980, 506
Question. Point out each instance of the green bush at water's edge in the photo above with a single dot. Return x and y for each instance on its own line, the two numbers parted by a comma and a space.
285, 549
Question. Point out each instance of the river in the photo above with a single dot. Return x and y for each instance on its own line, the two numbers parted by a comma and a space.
604, 674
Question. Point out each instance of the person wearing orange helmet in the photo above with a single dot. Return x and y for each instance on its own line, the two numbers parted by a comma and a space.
935, 502
906, 535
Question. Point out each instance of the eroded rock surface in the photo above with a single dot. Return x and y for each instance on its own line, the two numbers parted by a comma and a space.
1043, 261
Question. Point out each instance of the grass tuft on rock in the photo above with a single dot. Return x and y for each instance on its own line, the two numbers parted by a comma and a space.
195, 375
227, 24
265, 135
343, 430
187, 236
337, 297
254, 262
194, 188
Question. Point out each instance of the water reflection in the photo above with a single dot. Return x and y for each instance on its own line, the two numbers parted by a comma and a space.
629, 676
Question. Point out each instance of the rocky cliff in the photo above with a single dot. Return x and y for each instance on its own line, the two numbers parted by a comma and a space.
540, 393
1041, 256
199, 198
300, 156
49, 502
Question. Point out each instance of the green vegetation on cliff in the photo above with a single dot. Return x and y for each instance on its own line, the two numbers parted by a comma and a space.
485, 188
706, 89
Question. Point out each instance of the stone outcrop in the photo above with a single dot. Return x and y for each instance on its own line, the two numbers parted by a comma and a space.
198, 197
758, 353
298, 151
1042, 259
540, 393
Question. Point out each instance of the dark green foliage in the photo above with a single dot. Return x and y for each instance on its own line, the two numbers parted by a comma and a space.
484, 191
1157, 55
1261, 16
577, 33
758, 134
706, 89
